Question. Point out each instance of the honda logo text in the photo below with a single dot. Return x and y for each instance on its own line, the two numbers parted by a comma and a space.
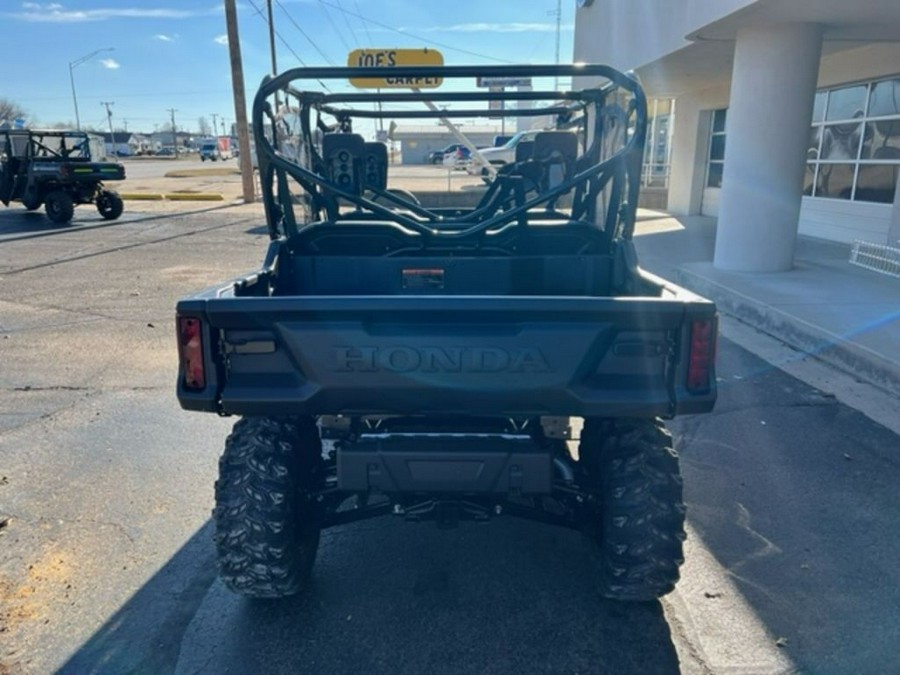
405, 359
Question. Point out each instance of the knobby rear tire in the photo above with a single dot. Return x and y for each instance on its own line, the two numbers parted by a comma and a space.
59, 206
110, 204
267, 533
637, 533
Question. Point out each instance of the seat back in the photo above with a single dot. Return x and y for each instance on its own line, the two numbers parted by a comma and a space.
343, 156
557, 151
524, 150
375, 166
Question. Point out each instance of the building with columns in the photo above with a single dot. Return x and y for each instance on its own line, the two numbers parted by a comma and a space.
787, 114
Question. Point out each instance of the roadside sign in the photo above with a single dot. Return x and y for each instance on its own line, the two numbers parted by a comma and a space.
388, 58
492, 82
495, 104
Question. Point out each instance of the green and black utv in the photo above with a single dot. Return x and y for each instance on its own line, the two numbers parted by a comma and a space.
54, 168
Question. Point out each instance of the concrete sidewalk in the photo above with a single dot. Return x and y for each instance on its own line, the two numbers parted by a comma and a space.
841, 314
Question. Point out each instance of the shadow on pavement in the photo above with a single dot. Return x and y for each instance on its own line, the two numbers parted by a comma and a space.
17, 221
795, 494
392, 597
144, 635
396, 597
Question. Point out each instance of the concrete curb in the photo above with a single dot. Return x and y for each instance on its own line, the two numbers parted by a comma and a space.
194, 197
858, 360
173, 196
142, 196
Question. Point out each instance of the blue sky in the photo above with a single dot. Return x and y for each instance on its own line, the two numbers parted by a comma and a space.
173, 53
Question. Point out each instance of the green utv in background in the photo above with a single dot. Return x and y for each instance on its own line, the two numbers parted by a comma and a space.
394, 357
54, 169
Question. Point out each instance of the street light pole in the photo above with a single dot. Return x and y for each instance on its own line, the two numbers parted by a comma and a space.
72, 66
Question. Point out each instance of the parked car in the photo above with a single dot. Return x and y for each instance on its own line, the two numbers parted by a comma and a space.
457, 159
437, 157
505, 154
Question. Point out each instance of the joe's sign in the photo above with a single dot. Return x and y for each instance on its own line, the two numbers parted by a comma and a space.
389, 58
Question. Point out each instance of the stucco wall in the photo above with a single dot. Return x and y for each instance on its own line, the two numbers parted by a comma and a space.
627, 34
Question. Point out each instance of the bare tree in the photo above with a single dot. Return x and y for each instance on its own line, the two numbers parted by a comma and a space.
205, 129
10, 110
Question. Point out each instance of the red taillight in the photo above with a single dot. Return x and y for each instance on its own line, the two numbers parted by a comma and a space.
190, 349
702, 355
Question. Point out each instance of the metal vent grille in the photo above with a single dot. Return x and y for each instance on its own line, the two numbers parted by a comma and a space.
876, 257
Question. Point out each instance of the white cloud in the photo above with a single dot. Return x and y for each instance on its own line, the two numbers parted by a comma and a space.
54, 12
221, 39
112, 64
164, 38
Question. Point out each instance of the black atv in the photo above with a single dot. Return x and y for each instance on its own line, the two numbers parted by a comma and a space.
54, 168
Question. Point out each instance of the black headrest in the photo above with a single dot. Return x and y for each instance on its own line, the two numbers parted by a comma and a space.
564, 144
343, 156
558, 151
524, 150
375, 165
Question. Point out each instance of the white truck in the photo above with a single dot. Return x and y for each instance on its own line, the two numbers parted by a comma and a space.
216, 148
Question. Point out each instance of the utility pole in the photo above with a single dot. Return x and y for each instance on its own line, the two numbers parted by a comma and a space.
215, 117
240, 102
272, 50
112, 135
172, 112
558, 14
72, 66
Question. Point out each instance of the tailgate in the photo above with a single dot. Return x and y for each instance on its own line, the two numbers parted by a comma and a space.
446, 355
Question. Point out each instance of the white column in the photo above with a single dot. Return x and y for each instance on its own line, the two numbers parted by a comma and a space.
772, 89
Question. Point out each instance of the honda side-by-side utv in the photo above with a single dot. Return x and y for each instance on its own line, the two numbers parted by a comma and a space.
390, 357
55, 169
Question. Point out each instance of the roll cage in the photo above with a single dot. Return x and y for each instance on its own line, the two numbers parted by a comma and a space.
602, 172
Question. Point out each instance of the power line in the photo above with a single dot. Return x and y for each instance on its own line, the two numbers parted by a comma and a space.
304, 34
285, 42
362, 21
349, 25
334, 25
412, 35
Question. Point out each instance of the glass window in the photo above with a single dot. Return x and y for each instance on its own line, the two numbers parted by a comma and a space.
717, 147
714, 174
819, 106
877, 183
856, 159
719, 121
835, 181
885, 98
848, 103
840, 142
882, 140
815, 136
808, 179
715, 158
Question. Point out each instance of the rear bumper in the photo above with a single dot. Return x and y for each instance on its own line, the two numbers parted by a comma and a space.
445, 464
424, 355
